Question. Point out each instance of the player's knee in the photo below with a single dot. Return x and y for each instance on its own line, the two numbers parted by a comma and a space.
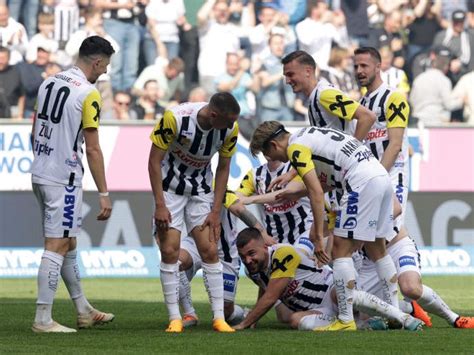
169, 253
410, 287
209, 255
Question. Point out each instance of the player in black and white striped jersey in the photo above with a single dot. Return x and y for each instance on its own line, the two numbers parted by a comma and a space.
307, 292
184, 141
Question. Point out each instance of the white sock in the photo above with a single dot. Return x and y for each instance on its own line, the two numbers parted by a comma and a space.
212, 275
344, 282
237, 316
72, 279
185, 299
169, 277
48, 278
432, 303
405, 305
312, 321
374, 306
388, 277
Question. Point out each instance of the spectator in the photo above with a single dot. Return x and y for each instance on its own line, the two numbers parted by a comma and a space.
32, 75
25, 11
165, 16
12, 35
391, 75
168, 74
392, 35
357, 21
464, 92
198, 94
122, 110
66, 20
240, 84
425, 22
276, 99
147, 106
44, 38
272, 21
217, 37
10, 83
339, 72
119, 23
316, 34
430, 97
460, 43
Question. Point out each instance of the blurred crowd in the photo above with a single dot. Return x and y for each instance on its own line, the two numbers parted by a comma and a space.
170, 51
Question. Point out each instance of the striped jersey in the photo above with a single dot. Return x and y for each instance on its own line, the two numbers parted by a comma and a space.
186, 168
227, 250
392, 111
340, 160
329, 107
309, 284
67, 103
287, 221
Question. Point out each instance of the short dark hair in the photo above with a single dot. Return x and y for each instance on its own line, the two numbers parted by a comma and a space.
373, 52
301, 57
4, 50
95, 45
225, 103
246, 235
149, 81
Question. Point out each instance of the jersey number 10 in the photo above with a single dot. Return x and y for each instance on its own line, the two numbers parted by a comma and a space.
59, 100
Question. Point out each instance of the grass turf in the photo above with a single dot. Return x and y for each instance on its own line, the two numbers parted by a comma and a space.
141, 319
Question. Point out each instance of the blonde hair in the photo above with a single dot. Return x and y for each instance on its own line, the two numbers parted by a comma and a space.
337, 56
45, 19
263, 134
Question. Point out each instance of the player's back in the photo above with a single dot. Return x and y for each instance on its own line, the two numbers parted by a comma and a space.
67, 103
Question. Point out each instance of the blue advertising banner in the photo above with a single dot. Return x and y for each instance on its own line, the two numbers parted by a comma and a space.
144, 262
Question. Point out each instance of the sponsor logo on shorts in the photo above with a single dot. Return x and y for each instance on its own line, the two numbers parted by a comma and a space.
350, 223
352, 203
306, 242
229, 282
406, 261
69, 204
372, 224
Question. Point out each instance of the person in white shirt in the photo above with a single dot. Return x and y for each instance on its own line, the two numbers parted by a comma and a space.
12, 35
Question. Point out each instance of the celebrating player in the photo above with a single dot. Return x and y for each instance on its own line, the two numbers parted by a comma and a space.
184, 141
329, 157
67, 113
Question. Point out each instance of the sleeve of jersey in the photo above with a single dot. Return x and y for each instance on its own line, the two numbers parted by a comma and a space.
396, 111
247, 187
338, 104
230, 198
164, 131
285, 261
91, 110
230, 143
300, 158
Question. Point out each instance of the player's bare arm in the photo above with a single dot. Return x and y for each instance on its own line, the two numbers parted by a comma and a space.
274, 290
96, 166
282, 180
395, 136
162, 214
365, 120
213, 219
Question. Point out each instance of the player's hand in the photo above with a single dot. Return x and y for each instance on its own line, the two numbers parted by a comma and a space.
320, 253
238, 327
105, 208
162, 218
268, 240
282, 180
214, 223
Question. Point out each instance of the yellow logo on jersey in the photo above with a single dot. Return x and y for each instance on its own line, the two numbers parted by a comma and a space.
280, 265
340, 104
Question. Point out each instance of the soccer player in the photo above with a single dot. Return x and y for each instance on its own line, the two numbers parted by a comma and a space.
284, 273
328, 107
67, 114
387, 140
183, 143
190, 261
364, 196
286, 222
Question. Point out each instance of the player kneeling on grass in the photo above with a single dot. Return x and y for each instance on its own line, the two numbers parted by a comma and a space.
285, 273
191, 262
57, 171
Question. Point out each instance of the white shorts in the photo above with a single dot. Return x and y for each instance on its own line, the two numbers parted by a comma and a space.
230, 270
366, 212
191, 210
61, 210
406, 258
399, 179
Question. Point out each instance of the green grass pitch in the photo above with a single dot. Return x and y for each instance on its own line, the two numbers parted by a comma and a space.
141, 319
